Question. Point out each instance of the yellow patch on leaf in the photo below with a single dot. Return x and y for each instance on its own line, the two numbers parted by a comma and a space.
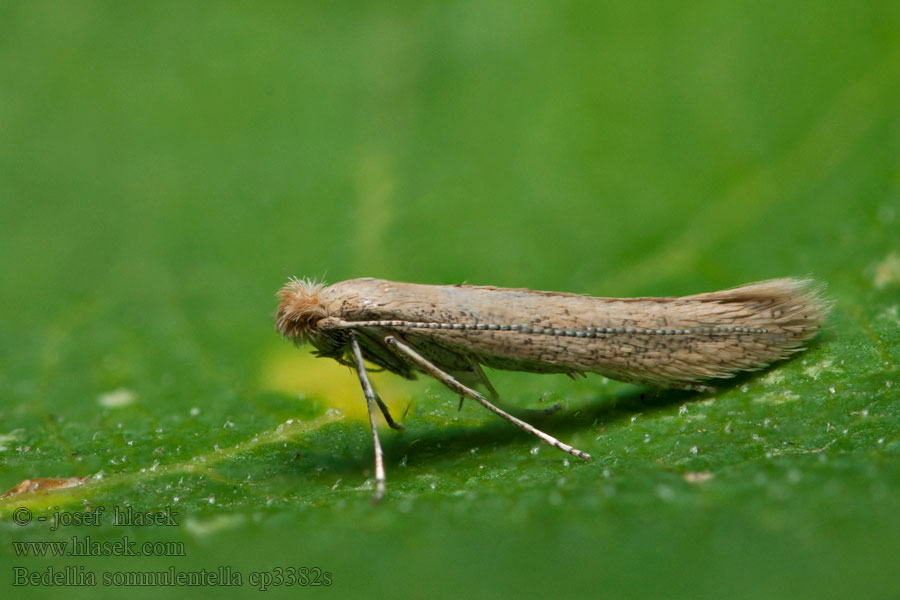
293, 371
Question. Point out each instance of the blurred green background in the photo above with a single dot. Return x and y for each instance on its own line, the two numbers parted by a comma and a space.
166, 166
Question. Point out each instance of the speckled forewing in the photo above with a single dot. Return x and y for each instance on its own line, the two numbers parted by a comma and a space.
661, 341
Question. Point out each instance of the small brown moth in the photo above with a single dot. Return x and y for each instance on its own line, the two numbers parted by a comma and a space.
450, 331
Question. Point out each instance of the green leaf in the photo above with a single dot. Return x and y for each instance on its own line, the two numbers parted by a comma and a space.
166, 167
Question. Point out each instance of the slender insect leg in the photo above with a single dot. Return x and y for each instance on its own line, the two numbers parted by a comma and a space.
387, 414
479, 372
371, 400
459, 388
495, 397
381, 405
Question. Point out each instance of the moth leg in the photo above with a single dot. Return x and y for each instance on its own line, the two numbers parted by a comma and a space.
479, 372
381, 405
387, 415
495, 397
459, 388
371, 400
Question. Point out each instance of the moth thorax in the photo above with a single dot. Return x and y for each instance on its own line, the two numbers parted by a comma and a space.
300, 309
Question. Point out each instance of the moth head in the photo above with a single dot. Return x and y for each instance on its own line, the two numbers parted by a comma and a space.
300, 310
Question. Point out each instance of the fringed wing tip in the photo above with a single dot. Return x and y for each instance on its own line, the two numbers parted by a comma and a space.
795, 303
790, 310
809, 302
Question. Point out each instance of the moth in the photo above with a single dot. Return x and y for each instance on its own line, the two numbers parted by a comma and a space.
451, 331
